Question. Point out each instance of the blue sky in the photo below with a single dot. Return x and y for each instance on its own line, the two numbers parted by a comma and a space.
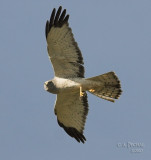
113, 36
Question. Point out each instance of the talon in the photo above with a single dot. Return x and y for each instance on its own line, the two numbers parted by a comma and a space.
92, 90
81, 92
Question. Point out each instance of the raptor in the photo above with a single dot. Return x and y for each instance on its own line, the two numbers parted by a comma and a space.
69, 83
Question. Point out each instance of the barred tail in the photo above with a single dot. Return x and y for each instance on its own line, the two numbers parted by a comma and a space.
110, 87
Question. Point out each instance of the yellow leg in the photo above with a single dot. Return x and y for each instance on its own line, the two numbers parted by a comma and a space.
81, 92
92, 90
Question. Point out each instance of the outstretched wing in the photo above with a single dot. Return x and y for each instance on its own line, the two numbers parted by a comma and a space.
71, 112
63, 51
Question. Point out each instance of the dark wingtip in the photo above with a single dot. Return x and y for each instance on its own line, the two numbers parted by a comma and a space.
47, 29
56, 19
57, 16
73, 132
66, 19
52, 17
60, 8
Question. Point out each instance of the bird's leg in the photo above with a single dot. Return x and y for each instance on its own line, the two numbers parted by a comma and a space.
92, 90
81, 92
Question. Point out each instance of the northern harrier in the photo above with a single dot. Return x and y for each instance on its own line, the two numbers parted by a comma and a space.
69, 84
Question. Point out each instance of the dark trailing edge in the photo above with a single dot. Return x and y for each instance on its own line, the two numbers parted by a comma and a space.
58, 19
73, 132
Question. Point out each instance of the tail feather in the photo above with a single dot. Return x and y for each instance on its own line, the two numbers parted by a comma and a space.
110, 87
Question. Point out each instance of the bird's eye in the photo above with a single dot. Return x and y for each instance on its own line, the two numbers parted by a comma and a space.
50, 83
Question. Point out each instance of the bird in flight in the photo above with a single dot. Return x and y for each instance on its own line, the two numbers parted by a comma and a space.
69, 84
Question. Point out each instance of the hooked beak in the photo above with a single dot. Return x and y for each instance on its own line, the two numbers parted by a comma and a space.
45, 86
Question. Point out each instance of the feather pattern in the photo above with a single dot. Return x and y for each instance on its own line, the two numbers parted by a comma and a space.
63, 50
71, 111
108, 88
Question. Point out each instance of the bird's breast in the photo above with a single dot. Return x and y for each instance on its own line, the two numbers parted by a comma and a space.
64, 83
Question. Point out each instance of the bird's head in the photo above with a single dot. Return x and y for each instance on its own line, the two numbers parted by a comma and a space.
50, 87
